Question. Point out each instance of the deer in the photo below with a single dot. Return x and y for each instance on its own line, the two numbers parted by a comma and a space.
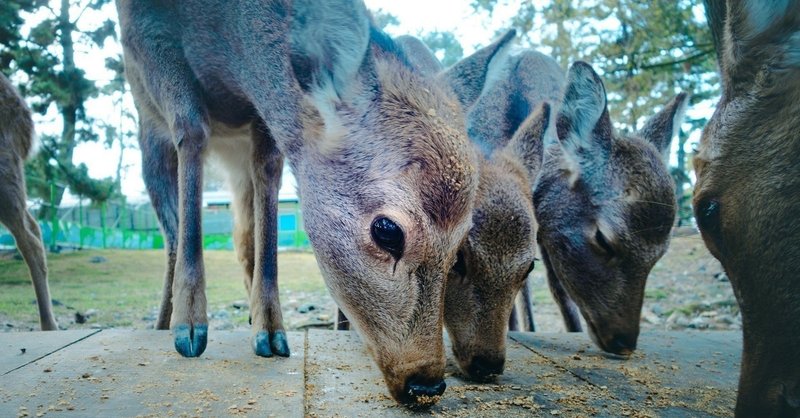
509, 117
16, 145
747, 194
385, 172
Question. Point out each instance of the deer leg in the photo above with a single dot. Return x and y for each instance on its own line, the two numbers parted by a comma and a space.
160, 172
188, 321
269, 336
569, 311
342, 323
241, 183
527, 301
521, 318
28, 237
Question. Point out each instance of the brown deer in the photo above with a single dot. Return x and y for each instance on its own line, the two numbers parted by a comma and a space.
16, 144
747, 195
490, 271
497, 256
385, 171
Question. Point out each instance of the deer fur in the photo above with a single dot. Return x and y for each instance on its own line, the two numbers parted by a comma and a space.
367, 137
16, 144
507, 126
626, 176
747, 195
605, 206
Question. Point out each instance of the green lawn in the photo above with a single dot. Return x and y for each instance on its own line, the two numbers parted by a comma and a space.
125, 286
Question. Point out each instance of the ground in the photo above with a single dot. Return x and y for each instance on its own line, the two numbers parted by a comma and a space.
121, 288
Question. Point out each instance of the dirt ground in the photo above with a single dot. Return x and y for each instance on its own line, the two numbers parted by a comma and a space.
687, 289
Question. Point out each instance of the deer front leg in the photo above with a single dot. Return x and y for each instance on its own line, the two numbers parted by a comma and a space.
269, 336
189, 322
569, 311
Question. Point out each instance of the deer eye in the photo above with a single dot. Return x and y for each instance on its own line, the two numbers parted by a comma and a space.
707, 212
460, 266
388, 236
603, 245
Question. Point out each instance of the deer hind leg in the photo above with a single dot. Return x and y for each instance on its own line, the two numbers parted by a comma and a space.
240, 182
569, 311
26, 232
160, 172
269, 336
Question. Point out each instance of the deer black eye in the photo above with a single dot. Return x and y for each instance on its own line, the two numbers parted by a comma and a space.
708, 216
460, 266
388, 236
603, 244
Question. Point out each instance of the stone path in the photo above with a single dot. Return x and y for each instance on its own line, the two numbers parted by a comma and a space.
124, 373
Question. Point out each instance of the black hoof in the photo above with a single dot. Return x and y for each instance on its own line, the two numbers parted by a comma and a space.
261, 344
191, 341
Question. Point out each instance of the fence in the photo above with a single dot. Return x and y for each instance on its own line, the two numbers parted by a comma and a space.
121, 225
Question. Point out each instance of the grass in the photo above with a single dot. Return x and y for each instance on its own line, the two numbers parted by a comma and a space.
125, 281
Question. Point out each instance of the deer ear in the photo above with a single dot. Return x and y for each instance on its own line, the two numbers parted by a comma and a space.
583, 123
527, 144
329, 50
419, 55
762, 31
468, 76
664, 125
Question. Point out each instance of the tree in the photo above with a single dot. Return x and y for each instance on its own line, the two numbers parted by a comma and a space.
646, 52
46, 56
444, 45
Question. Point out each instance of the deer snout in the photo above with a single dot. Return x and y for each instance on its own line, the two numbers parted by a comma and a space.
622, 344
483, 368
422, 392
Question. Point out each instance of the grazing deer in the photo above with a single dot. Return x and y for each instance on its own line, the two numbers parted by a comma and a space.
384, 168
605, 206
636, 205
495, 260
747, 195
16, 144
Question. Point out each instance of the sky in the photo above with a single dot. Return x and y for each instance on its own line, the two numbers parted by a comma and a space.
415, 17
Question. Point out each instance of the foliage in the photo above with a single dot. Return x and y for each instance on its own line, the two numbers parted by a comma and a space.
646, 51
444, 45
44, 62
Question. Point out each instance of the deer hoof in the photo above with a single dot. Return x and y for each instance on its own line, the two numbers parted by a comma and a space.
190, 341
279, 344
267, 344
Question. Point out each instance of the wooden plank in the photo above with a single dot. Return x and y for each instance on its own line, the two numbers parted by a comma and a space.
670, 374
138, 373
343, 381
18, 349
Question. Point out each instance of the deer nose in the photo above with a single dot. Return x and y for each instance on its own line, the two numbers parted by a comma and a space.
623, 344
485, 368
420, 390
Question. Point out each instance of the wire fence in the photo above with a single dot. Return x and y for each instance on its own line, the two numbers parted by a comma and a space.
118, 224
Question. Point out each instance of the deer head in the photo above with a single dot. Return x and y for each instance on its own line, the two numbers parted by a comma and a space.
746, 198
387, 179
605, 206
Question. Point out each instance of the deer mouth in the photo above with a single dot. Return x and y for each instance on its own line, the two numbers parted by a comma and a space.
619, 344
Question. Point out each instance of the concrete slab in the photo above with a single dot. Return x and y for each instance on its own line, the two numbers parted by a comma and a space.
670, 374
138, 373
342, 381
20, 348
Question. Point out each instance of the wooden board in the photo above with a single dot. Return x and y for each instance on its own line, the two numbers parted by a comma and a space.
20, 348
138, 373
126, 373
